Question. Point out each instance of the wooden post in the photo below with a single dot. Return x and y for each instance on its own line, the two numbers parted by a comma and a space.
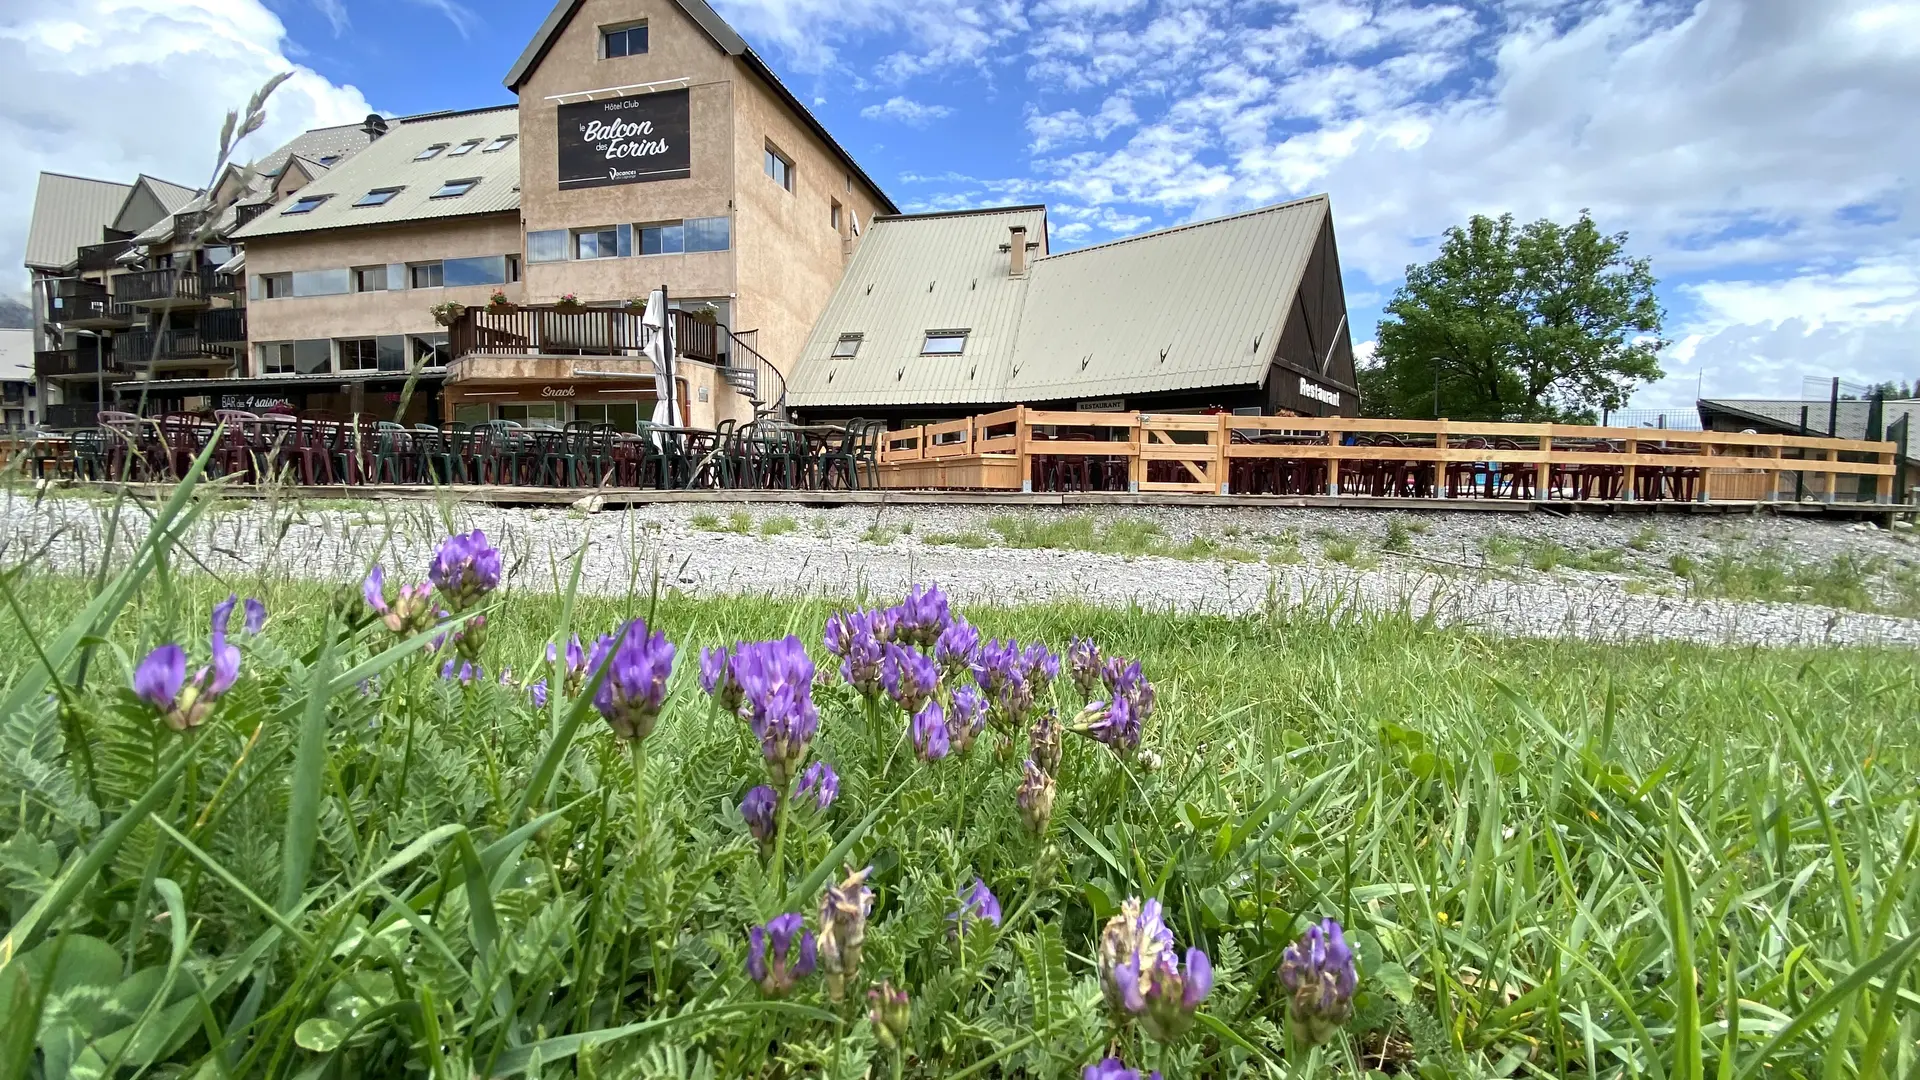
1440, 467
1333, 465
1222, 438
1773, 476
1883, 484
1545, 474
1706, 476
1021, 433
1832, 478
1630, 481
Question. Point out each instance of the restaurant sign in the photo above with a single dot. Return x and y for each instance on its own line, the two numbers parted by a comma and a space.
629, 140
556, 391
253, 402
1319, 393
1105, 404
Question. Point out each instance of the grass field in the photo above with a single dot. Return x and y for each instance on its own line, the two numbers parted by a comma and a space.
1552, 858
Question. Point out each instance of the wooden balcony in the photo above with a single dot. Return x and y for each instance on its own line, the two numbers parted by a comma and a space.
99, 258
85, 305
142, 348
67, 363
174, 288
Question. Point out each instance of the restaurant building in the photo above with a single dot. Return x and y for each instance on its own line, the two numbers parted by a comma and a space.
943, 315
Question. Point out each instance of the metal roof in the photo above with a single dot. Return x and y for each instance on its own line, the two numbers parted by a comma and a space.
1783, 414
1195, 306
910, 275
723, 35
389, 162
70, 212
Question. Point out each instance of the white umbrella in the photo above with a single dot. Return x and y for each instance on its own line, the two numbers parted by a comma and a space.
660, 351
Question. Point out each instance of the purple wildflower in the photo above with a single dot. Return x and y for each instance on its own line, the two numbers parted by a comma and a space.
537, 691
1125, 680
822, 783
223, 613
1319, 976
408, 613
256, 615
976, 903
465, 569
855, 637
920, 618
464, 672
716, 678
929, 732
1035, 798
776, 683
161, 681
843, 930
1118, 726
1141, 973
999, 662
957, 650
1114, 1069
788, 964
576, 670
910, 677
635, 685
760, 808
966, 716
1039, 665
1044, 739
1085, 665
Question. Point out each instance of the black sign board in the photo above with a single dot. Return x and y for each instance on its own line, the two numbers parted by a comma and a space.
629, 140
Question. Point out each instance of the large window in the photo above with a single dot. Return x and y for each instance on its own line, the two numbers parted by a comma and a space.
621, 416
708, 234
549, 245
275, 286
425, 276
780, 167
370, 279
944, 343
662, 240
621, 41
311, 357
538, 415
600, 243
429, 350
387, 353
485, 270
321, 282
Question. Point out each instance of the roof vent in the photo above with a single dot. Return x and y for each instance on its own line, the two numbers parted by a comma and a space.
375, 126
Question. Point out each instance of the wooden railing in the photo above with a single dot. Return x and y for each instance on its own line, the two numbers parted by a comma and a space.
168, 285
1340, 455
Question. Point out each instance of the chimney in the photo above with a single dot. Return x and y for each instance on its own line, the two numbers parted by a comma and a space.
1017, 249
375, 126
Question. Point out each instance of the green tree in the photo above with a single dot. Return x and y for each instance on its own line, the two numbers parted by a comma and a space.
1530, 323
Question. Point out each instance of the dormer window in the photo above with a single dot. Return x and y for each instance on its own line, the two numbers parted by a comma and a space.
453, 189
847, 346
465, 148
499, 144
618, 41
430, 152
378, 196
306, 204
944, 343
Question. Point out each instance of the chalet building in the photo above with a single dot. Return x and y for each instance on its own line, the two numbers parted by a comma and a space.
943, 315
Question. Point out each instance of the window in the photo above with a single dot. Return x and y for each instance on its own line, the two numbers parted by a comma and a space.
275, 286
780, 167
369, 279
499, 144
430, 152
295, 357
621, 416
378, 196
425, 275
329, 159
848, 345
359, 354
472, 412
662, 240
465, 148
453, 189
598, 243
429, 350
543, 415
624, 41
708, 234
547, 245
305, 204
216, 255
484, 270
321, 282
513, 268
944, 343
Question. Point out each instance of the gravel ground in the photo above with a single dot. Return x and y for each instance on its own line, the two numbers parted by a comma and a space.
1471, 569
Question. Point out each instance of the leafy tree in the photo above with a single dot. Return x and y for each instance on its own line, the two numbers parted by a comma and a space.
1518, 323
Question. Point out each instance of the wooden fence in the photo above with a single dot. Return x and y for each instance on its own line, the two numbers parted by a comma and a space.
1012, 449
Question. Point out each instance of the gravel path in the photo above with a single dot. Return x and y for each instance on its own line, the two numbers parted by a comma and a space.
1456, 569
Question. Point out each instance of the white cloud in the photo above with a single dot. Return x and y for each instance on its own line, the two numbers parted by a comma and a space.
938, 33
336, 14
460, 15
906, 111
112, 88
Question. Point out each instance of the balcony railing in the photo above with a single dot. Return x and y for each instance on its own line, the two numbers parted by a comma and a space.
55, 363
138, 349
76, 301
530, 331
66, 417
170, 285
97, 258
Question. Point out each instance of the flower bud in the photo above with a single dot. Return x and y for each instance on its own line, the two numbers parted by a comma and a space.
890, 1012
843, 930
1319, 976
1036, 799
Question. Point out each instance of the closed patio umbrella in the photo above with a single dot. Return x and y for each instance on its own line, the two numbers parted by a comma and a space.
660, 351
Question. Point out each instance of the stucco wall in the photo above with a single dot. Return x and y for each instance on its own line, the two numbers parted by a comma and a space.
676, 48
375, 313
790, 256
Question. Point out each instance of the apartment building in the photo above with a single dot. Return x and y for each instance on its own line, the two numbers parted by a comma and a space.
19, 393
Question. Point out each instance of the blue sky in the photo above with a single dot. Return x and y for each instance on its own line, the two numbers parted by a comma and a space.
1760, 152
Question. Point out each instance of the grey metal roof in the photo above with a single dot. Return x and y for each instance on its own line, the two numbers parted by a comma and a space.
723, 35
911, 275
70, 212
389, 162
1196, 306
1783, 414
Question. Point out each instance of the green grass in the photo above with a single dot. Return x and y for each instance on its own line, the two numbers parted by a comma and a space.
1644, 539
1769, 574
878, 535
706, 521
1399, 536
778, 525
969, 540
1553, 858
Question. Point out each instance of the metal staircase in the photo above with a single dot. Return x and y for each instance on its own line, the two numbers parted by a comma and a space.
754, 378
